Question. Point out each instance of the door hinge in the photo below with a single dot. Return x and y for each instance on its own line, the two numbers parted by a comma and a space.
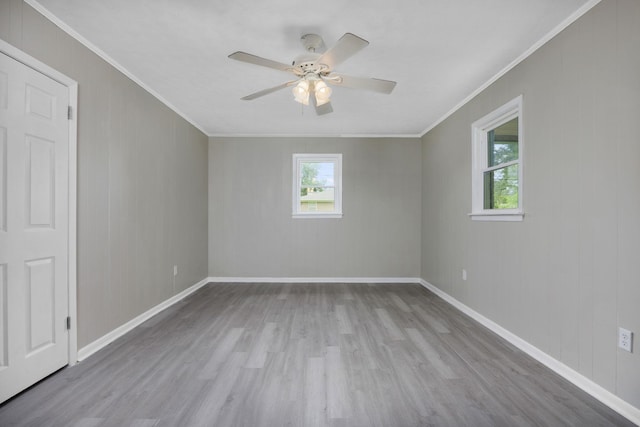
68, 322
69, 112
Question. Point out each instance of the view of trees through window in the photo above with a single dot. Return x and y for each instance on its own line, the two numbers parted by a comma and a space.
501, 178
317, 187
309, 179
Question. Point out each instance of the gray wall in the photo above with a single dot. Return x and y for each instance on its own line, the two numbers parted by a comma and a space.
568, 276
251, 230
142, 183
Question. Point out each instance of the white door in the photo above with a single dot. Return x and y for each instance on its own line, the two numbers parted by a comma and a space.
34, 174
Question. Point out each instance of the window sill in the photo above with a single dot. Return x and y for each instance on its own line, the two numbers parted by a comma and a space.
495, 216
316, 215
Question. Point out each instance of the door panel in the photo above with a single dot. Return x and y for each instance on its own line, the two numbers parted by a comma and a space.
3, 183
34, 173
40, 304
4, 337
40, 103
4, 89
40, 171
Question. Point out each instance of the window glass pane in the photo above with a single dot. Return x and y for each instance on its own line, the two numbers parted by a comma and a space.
317, 199
317, 192
503, 143
501, 188
317, 174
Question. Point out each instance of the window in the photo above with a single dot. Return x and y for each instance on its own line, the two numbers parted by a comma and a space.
317, 185
497, 164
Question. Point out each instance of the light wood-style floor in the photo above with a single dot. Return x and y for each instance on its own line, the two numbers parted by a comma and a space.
308, 355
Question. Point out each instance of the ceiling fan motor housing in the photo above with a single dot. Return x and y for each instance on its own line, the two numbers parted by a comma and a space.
308, 63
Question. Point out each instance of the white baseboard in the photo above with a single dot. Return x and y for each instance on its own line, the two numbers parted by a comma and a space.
611, 400
314, 279
107, 339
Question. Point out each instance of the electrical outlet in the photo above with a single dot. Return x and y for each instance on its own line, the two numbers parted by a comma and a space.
175, 270
625, 339
464, 274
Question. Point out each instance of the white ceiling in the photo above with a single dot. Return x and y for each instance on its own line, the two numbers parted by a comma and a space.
439, 51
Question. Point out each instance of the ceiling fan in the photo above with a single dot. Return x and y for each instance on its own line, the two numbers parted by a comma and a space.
313, 71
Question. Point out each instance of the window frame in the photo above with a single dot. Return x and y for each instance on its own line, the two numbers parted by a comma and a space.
298, 160
479, 146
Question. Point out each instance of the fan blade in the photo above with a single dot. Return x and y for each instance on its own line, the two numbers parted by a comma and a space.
268, 91
256, 60
324, 109
346, 47
321, 110
375, 85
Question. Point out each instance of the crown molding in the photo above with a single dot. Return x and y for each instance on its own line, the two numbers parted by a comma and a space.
550, 35
93, 48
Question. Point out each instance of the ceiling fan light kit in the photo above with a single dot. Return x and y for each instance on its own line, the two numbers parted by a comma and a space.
322, 93
315, 73
312, 84
301, 92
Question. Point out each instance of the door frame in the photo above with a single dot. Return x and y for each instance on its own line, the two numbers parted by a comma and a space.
72, 86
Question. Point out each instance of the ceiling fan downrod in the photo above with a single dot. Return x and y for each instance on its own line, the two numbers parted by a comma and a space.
311, 42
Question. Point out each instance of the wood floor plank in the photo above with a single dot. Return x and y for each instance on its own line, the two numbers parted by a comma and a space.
338, 403
399, 302
308, 354
258, 354
430, 353
315, 395
212, 402
89, 422
342, 317
220, 354
432, 321
144, 423
394, 332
